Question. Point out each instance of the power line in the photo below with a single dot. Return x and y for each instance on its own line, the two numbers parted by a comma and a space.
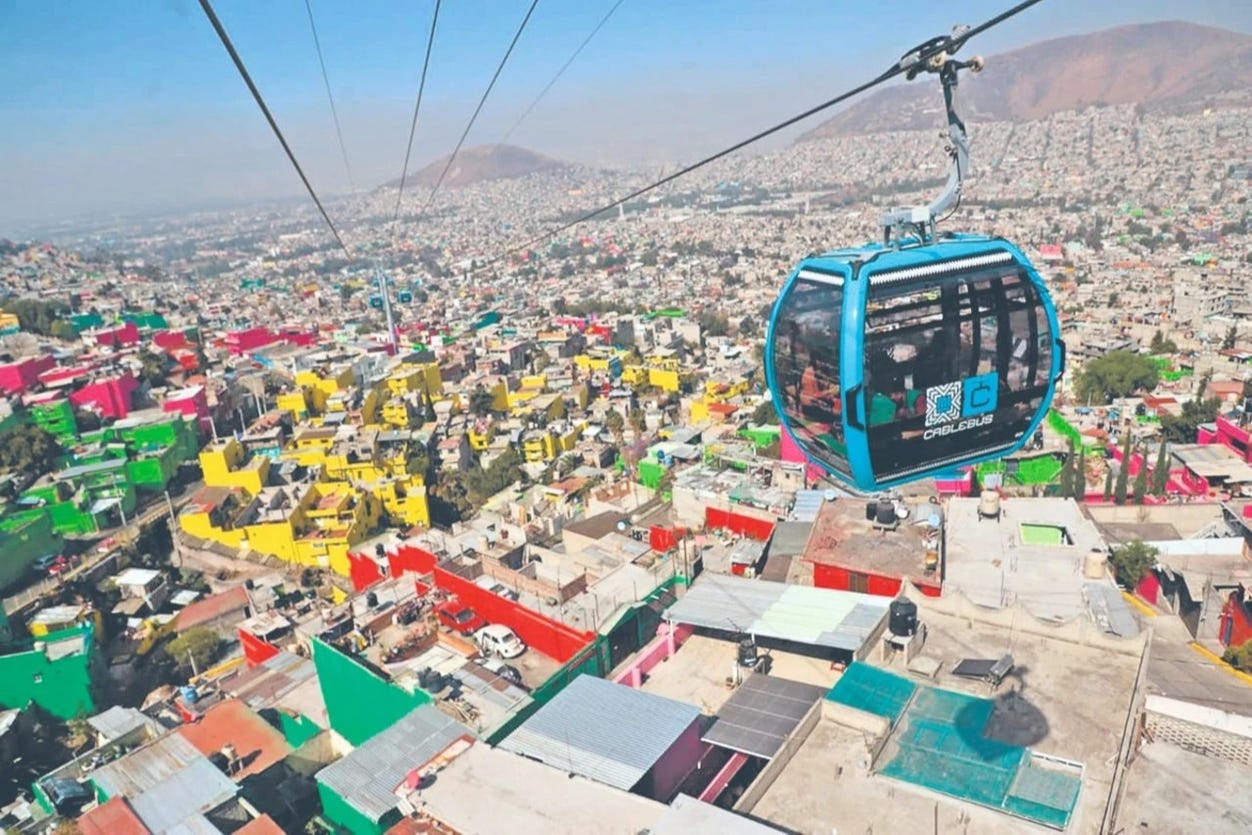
561, 71
269, 117
334, 114
916, 58
421, 85
481, 102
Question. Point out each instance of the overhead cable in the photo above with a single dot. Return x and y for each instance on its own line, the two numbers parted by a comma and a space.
921, 55
481, 102
334, 114
269, 117
417, 108
561, 71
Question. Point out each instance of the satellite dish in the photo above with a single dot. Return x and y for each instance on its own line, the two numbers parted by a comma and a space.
621, 526
829, 495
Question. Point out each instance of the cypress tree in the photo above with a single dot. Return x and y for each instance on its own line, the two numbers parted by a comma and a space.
1160, 473
1108, 483
1067, 474
1080, 475
1123, 473
1141, 477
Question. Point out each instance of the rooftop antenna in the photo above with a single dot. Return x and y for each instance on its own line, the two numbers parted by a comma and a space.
922, 219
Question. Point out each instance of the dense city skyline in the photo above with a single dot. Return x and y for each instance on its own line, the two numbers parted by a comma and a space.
138, 109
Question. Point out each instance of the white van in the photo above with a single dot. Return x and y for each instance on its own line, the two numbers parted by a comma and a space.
497, 639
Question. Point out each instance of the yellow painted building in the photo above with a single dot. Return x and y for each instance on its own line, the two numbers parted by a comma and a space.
410, 377
543, 445
225, 464
9, 321
480, 433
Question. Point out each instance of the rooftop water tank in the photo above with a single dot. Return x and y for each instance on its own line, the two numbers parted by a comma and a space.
902, 617
989, 504
1095, 565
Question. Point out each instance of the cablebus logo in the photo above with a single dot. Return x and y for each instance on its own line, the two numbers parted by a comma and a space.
962, 405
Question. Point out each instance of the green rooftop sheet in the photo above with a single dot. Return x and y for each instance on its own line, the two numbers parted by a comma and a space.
1041, 535
873, 691
942, 746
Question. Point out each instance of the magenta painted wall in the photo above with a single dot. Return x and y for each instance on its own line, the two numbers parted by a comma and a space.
654, 653
675, 764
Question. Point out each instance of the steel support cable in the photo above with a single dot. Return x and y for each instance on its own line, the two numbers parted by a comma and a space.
561, 71
207, 6
334, 114
417, 108
451, 159
916, 57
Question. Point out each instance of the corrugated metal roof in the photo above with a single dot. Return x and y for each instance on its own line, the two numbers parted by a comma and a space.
803, 614
195, 825
367, 778
196, 789
117, 721
603, 731
807, 505
144, 768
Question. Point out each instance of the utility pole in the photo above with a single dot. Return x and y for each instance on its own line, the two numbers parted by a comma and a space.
178, 548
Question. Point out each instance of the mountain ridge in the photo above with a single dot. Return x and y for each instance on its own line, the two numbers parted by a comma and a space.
1164, 65
481, 163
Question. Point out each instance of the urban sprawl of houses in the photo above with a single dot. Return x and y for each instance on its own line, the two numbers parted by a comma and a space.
544, 563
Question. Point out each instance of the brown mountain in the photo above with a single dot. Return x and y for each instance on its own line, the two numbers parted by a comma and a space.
1162, 66
484, 162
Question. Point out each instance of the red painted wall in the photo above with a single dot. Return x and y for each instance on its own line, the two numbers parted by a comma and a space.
256, 651
544, 634
676, 763
410, 559
1235, 626
111, 397
539, 631
169, 339
662, 539
16, 377
827, 576
363, 570
1149, 588
749, 526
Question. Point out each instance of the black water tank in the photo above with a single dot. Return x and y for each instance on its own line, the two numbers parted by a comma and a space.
886, 512
902, 617
871, 511
747, 651
371, 600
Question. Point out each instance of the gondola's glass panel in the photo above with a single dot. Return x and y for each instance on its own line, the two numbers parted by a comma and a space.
956, 368
806, 368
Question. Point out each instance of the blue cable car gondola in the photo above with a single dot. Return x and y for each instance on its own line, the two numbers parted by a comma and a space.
405, 296
892, 362
376, 301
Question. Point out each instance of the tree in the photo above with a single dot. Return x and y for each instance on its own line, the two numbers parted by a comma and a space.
1108, 483
195, 649
154, 368
1141, 477
637, 420
1161, 345
1181, 428
1123, 473
1232, 336
1239, 657
481, 401
29, 451
1132, 561
1067, 473
1116, 374
764, 414
614, 422
1160, 471
1078, 488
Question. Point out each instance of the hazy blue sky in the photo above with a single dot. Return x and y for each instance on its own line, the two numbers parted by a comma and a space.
131, 104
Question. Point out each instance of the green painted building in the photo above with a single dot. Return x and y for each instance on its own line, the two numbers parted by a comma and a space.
359, 703
56, 417
54, 672
25, 536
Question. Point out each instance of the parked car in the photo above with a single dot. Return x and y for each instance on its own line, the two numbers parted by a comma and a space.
497, 639
494, 586
458, 617
42, 564
505, 671
63, 564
